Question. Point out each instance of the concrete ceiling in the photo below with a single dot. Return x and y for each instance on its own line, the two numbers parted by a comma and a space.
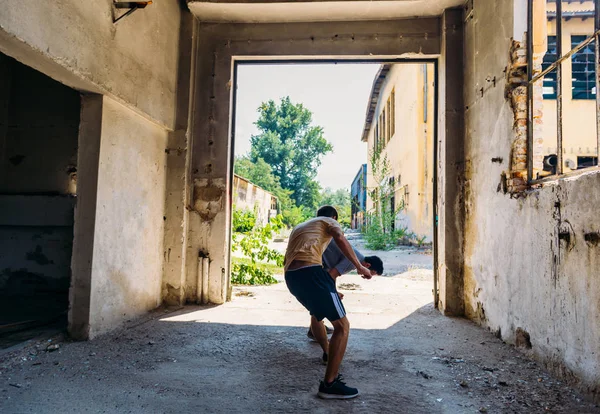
283, 11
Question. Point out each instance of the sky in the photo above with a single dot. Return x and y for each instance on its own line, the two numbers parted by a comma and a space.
336, 94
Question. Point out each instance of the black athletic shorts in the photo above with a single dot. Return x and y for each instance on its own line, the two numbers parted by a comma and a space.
315, 290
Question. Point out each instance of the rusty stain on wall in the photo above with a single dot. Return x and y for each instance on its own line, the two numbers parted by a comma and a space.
592, 238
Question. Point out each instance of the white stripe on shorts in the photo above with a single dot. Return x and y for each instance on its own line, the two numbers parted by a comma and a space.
338, 305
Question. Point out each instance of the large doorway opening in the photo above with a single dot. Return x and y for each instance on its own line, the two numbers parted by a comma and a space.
39, 125
369, 131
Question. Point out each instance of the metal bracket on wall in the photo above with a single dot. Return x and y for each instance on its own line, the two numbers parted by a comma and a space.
469, 10
131, 5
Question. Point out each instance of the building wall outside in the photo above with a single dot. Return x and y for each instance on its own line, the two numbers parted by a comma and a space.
579, 115
250, 197
520, 269
358, 197
410, 150
127, 260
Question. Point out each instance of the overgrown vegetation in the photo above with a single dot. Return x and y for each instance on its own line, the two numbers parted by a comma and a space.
380, 232
254, 269
243, 220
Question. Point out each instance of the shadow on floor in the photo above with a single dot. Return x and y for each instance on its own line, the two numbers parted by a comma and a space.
424, 363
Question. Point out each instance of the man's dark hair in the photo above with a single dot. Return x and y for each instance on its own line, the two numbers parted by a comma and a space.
327, 211
376, 264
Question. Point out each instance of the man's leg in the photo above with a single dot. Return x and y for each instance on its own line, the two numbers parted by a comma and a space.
320, 333
337, 348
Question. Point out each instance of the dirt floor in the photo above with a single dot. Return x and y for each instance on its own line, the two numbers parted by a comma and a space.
252, 355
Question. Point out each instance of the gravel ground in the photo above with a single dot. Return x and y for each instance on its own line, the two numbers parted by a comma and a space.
252, 355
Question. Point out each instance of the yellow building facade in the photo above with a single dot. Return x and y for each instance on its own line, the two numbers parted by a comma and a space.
400, 120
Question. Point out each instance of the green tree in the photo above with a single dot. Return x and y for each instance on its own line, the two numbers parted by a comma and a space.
292, 147
340, 199
258, 172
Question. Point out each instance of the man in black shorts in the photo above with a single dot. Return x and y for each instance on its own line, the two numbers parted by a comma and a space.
315, 290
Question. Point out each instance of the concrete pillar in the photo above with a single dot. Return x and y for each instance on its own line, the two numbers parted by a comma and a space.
88, 156
209, 233
178, 174
451, 212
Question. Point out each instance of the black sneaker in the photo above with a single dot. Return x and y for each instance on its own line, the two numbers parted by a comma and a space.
311, 336
324, 358
337, 390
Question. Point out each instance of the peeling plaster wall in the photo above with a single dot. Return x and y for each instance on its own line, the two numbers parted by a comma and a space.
127, 257
532, 262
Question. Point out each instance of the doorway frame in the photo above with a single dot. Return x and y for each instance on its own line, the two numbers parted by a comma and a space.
218, 46
257, 60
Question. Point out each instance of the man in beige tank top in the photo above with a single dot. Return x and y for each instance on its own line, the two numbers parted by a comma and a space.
315, 289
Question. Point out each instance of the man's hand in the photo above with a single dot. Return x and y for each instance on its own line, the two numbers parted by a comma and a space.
366, 273
340, 295
348, 251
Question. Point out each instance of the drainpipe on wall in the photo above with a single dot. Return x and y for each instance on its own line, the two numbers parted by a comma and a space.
202, 282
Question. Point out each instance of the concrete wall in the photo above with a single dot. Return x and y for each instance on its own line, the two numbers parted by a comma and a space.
127, 257
531, 262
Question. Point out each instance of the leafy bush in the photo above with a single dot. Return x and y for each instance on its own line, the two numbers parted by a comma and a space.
255, 246
292, 216
248, 274
243, 220
376, 238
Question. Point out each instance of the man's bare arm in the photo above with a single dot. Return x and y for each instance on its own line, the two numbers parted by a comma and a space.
348, 251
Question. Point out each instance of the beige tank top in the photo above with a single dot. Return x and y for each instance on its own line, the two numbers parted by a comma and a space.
309, 240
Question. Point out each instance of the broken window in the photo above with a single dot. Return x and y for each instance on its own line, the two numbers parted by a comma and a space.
563, 107
550, 79
583, 69
585, 162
